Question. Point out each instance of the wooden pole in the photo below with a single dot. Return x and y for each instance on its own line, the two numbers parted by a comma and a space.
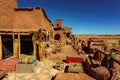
40, 51
16, 48
0, 48
19, 44
13, 43
34, 46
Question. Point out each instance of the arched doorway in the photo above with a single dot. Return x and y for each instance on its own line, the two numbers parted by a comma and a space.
57, 37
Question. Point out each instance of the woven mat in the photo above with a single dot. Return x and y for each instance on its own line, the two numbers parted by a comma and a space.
8, 64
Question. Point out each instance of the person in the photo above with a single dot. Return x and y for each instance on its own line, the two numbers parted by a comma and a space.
111, 55
97, 55
108, 61
79, 51
79, 47
79, 43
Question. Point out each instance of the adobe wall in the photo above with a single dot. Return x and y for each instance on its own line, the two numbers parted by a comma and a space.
6, 12
11, 18
58, 23
62, 36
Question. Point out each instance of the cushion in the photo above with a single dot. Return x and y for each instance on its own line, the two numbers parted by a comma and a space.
27, 60
101, 73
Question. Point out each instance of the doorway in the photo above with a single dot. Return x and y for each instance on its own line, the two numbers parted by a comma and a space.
7, 46
26, 45
57, 37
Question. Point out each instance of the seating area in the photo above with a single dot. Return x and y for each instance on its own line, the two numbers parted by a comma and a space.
100, 72
24, 64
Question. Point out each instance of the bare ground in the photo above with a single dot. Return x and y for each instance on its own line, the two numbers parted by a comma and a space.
65, 51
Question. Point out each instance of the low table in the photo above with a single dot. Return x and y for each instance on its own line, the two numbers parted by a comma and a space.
25, 68
76, 58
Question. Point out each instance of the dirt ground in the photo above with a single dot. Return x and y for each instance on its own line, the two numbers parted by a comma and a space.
61, 56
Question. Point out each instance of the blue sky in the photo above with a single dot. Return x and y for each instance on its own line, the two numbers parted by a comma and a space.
83, 16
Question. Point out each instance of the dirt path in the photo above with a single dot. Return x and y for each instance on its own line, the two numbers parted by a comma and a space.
65, 51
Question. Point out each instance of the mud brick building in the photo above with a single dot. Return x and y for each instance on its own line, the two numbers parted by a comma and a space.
61, 33
23, 29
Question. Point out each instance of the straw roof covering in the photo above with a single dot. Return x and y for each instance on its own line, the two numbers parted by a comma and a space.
22, 19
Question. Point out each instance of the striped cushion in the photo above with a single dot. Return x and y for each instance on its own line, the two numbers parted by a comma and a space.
32, 60
27, 60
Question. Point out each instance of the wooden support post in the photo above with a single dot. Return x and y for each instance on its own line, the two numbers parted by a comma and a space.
40, 51
34, 46
16, 48
19, 44
0, 48
13, 43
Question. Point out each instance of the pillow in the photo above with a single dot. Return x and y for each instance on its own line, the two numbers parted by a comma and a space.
101, 73
32, 59
27, 60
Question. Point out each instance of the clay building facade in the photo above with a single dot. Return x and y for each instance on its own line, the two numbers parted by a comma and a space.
22, 30
61, 33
